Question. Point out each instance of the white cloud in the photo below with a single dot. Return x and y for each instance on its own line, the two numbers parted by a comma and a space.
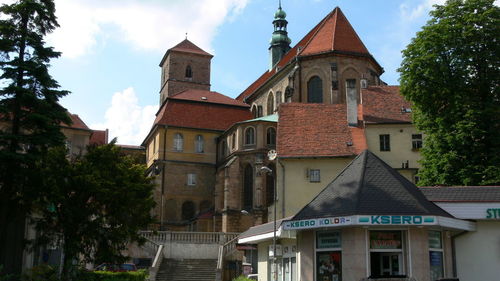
127, 120
411, 12
145, 24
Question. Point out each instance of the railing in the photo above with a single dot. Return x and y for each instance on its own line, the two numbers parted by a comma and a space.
157, 251
224, 250
189, 237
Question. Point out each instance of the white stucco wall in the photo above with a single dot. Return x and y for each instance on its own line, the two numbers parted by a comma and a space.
478, 253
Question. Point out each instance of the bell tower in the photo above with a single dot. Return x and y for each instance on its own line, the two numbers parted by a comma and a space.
280, 42
185, 66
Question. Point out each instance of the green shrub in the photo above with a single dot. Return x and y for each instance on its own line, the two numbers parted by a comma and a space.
140, 275
242, 278
41, 273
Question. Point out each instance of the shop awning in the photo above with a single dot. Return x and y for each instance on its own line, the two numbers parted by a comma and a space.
264, 232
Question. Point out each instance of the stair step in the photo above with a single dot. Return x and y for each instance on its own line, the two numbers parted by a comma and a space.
187, 270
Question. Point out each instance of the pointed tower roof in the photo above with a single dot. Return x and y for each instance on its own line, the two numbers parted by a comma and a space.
368, 186
186, 46
335, 33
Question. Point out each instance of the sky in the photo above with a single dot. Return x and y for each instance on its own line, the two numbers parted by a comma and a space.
111, 48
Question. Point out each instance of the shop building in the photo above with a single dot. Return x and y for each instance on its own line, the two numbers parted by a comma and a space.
369, 223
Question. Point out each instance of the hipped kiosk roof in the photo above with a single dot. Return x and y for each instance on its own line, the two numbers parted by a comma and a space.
370, 192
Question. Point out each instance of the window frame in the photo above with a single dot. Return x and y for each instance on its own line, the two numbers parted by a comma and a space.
385, 142
312, 175
253, 136
437, 250
416, 141
199, 144
191, 179
402, 252
311, 93
318, 251
178, 144
270, 140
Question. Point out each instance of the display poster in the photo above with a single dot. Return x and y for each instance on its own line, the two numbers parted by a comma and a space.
328, 266
328, 239
435, 240
385, 240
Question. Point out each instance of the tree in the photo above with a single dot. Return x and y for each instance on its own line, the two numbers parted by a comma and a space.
29, 115
94, 205
451, 74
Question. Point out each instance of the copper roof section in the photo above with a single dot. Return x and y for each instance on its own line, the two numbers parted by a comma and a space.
317, 130
385, 105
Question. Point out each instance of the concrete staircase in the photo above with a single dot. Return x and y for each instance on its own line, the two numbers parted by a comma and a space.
187, 270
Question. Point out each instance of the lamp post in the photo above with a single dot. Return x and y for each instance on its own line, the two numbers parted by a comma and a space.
267, 170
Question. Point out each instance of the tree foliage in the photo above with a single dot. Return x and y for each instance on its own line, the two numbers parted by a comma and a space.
29, 113
451, 73
95, 204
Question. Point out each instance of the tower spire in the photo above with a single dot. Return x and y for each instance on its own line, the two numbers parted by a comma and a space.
280, 42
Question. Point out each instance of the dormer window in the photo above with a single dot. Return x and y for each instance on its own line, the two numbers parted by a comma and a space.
189, 72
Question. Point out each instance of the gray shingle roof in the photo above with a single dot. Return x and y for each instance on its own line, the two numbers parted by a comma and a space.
462, 193
368, 186
262, 229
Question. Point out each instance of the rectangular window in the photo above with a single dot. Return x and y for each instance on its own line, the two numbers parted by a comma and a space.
328, 256
314, 175
416, 141
191, 180
386, 254
436, 255
385, 142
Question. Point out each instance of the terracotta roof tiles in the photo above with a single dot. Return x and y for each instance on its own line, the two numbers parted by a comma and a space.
316, 130
76, 123
99, 137
207, 97
384, 104
187, 46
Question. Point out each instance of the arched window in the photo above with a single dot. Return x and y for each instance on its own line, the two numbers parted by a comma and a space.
178, 142
270, 104
250, 136
271, 136
315, 90
188, 210
254, 111
248, 188
189, 72
199, 143
270, 184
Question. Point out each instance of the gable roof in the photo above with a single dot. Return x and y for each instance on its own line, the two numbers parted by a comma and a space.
462, 193
317, 130
200, 109
207, 97
368, 186
384, 104
333, 33
99, 137
185, 46
76, 123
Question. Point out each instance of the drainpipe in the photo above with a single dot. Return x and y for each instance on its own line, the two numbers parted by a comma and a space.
454, 252
283, 189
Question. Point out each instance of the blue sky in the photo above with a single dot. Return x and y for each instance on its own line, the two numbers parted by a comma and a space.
112, 48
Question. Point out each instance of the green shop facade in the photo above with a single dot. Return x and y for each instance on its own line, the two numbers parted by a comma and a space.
370, 223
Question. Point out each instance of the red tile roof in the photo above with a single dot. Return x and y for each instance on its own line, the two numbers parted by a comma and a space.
333, 33
384, 104
185, 46
212, 116
77, 123
207, 97
317, 130
99, 137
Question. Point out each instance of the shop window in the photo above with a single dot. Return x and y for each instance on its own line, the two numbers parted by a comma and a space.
199, 143
248, 188
385, 142
328, 256
315, 90
191, 179
386, 254
416, 141
178, 142
436, 255
270, 104
271, 137
250, 136
314, 175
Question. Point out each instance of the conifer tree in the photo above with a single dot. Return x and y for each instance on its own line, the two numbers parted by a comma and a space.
451, 74
30, 115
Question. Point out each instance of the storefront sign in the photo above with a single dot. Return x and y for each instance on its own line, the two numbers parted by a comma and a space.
396, 220
328, 239
493, 213
385, 240
316, 223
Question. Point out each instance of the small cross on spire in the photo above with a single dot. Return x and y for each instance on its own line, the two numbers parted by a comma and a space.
186, 35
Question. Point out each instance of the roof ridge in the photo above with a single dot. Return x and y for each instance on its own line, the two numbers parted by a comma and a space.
334, 28
354, 31
316, 29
